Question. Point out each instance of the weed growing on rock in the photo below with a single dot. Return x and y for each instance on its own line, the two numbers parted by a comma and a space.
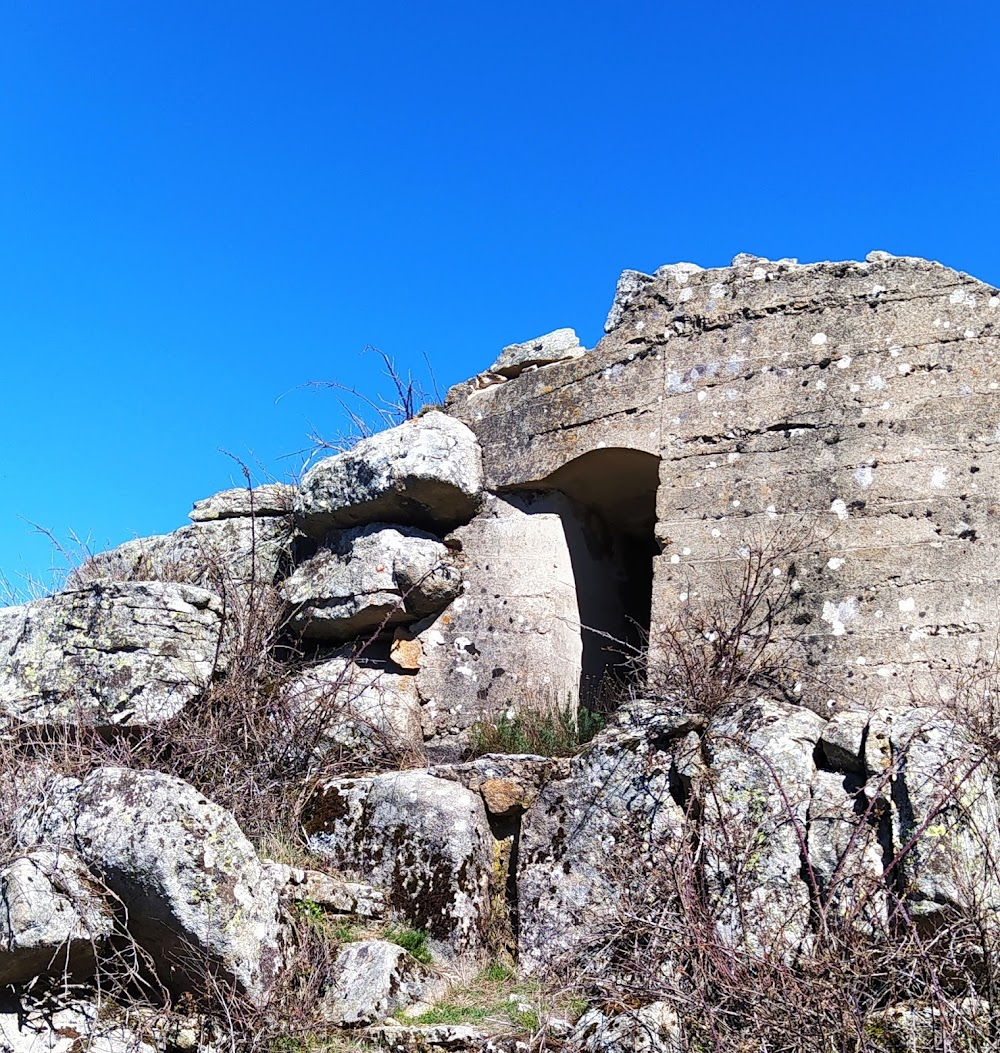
556, 732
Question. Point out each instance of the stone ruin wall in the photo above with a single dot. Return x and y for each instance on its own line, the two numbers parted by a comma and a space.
852, 406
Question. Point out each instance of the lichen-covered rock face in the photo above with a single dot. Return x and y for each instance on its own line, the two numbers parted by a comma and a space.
927, 793
368, 579
755, 797
615, 799
425, 840
427, 473
54, 918
197, 897
228, 555
108, 654
365, 713
271, 499
653, 1028
857, 399
373, 980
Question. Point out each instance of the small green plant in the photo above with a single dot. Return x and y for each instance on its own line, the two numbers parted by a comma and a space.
412, 940
557, 732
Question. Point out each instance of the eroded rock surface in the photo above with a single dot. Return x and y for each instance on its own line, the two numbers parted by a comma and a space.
426, 473
197, 896
424, 840
356, 711
110, 653
369, 579
54, 917
553, 347
271, 499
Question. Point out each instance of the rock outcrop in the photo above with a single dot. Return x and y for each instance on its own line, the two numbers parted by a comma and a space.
753, 533
108, 654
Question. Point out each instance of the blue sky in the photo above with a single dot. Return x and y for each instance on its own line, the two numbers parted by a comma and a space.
205, 206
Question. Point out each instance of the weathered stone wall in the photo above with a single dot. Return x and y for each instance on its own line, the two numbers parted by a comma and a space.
855, 402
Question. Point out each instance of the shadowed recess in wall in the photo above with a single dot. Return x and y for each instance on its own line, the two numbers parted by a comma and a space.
612, 556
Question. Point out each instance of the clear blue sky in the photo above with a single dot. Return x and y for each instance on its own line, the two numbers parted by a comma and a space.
205, 205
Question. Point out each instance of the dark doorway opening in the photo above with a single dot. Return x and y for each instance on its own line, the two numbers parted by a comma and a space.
612, 545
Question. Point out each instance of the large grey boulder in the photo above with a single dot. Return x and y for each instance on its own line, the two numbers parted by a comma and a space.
427, 472
584, 833
373, 980
370, 578
108, 654
754, 804
342, 709
553, 347
933, 787
197, 898
425, 840
54, 917
229, 555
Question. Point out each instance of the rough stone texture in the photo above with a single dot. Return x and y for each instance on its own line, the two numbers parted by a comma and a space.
845, 854
357, 711
616, 798
54, 919
370, 578
271, 499
333, 894
858, 399
196, 894
110, 653
513, 638
373, 980
425, 840
755, 800
944, 816
652, 1028
553, 347
439, 1038
426, 473
225, 555
509, 783
66, 1028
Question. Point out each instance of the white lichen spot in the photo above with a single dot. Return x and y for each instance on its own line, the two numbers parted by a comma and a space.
819, 339
839, 508
836, 563
855, 388
903, 368
735, 502
860, 660
796, 585
863, 475
685, 295
675, 558
838, 614
683, 597
772, 512
880, 614
968, 334
939, 478
759, 274
462, 643
907, 605
733, 457
875, 382
895, 351
994, 301
776, 573
936, 323
821, 385
885, 670
844, 362
716, 532
743, 552
433, 637
877, 290
702, 395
